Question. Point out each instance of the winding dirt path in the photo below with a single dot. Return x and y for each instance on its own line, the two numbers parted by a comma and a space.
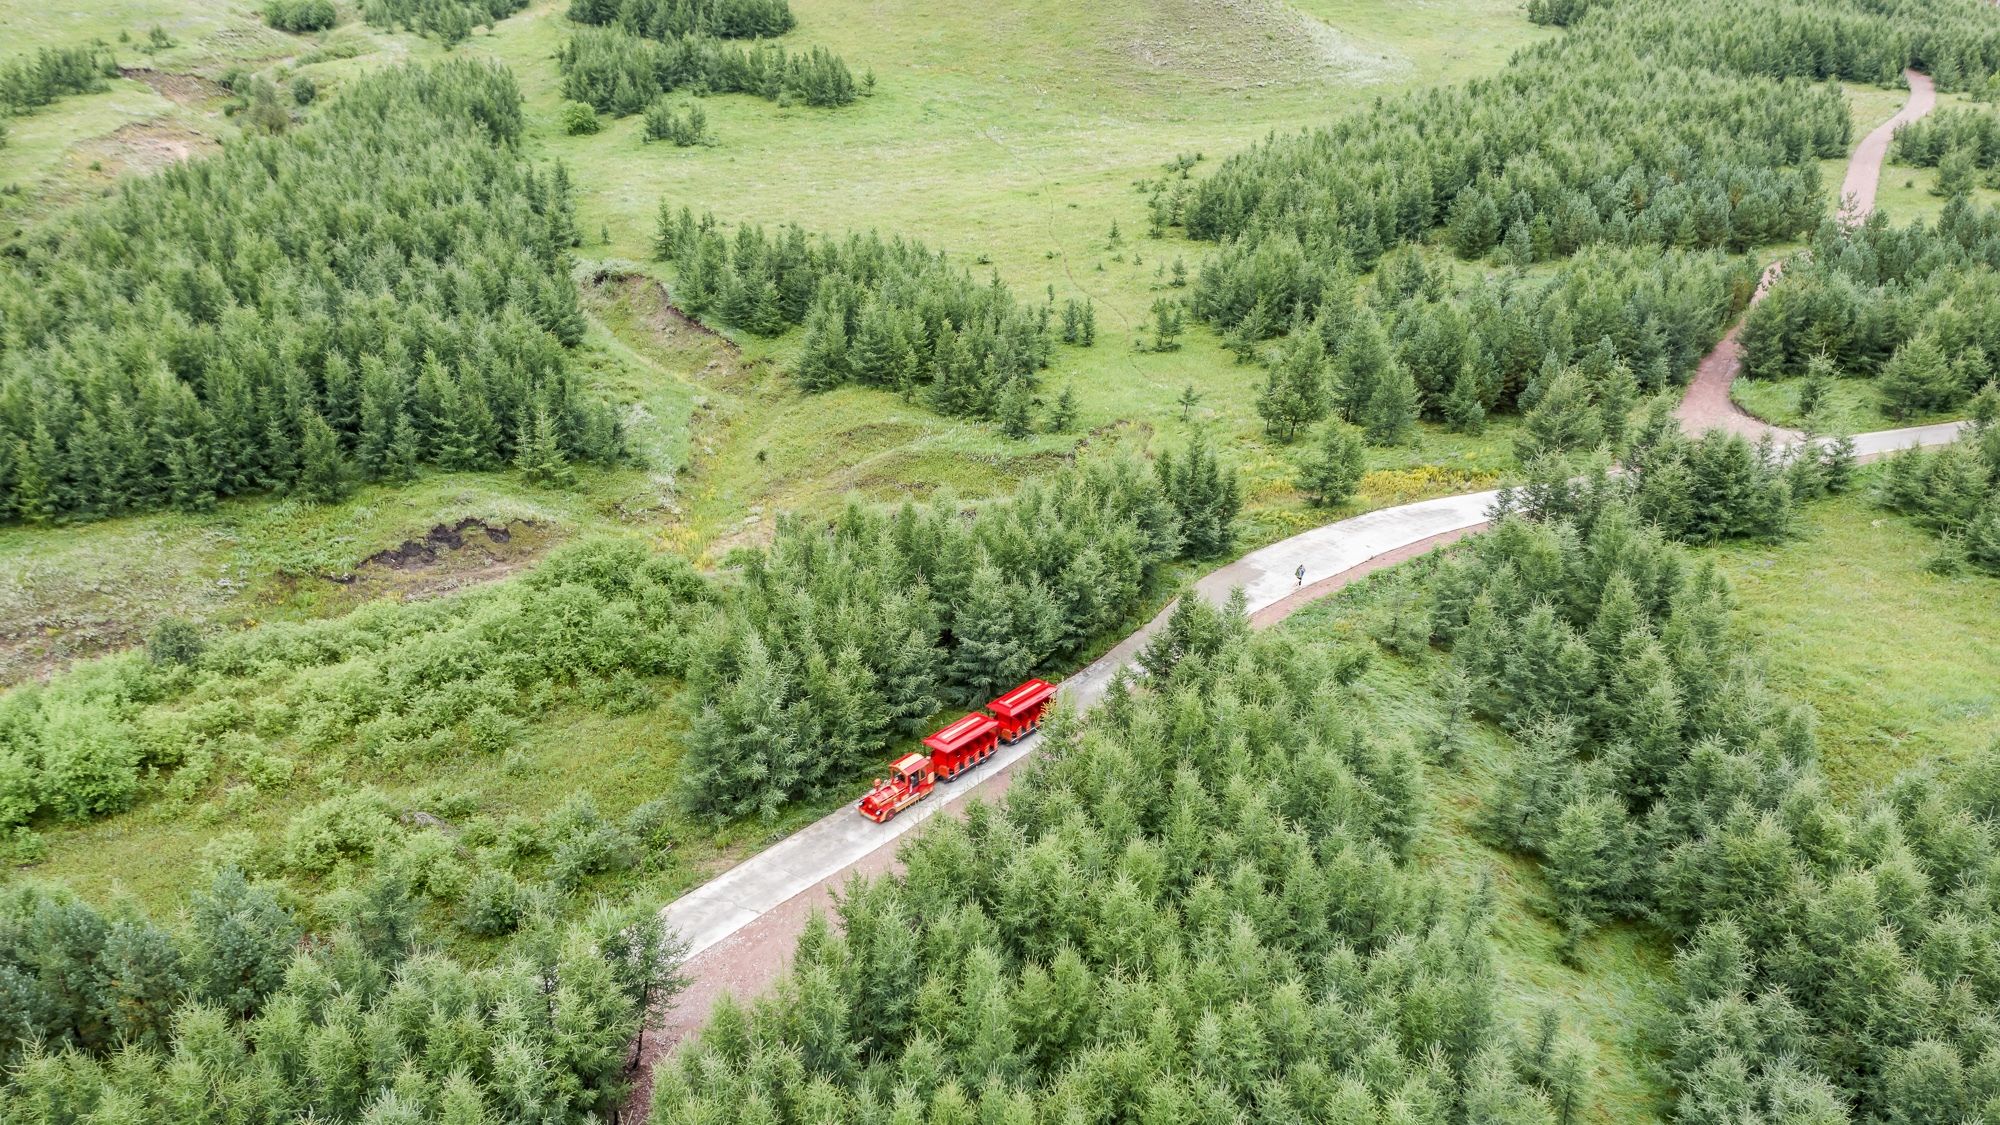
1707, 405
1864, 169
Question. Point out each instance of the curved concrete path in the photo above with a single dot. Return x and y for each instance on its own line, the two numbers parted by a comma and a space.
741, 926
1707, 405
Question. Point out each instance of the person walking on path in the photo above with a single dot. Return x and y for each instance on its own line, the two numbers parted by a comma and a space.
1300, 574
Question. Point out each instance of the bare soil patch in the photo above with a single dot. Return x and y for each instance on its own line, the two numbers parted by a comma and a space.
1235, 44
414, 554
145, 147
180, 89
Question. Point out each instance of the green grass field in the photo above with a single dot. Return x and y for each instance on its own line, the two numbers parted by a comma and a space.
1903, 665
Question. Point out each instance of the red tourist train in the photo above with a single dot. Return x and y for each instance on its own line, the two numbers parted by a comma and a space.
959, 747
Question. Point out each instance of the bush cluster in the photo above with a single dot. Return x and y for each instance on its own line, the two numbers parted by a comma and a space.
1954, 491
300, 16
675, 19
1915, 308
1697, 490
621, 73
33, 81
882, 313
448, 21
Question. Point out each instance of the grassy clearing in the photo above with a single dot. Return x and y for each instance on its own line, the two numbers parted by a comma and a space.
1855, 406
1903, 665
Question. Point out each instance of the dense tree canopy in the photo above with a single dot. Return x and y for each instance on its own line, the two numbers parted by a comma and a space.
1193, 906
386, 287
1627, 130
1916, 308
846, 635
234, 1017
1832, 958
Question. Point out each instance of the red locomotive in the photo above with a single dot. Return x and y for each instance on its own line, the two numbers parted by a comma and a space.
959, 747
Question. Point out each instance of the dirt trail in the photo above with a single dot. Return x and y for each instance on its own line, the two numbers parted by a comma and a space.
1864, 171
1707, 405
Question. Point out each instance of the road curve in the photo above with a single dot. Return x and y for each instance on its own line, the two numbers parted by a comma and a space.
742, 925
1707, 404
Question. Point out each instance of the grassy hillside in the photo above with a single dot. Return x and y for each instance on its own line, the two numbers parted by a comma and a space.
1037, 140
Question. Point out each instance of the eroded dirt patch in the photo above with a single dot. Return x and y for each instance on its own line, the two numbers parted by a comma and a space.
1235, 44
180, 89
145, 147
439, 541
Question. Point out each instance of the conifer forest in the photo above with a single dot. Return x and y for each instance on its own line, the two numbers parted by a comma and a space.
1154, 562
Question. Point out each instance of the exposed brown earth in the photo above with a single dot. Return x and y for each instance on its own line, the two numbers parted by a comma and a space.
180, 89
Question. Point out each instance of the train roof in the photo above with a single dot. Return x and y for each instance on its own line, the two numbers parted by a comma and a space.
908, 762
959, 734
1027, 695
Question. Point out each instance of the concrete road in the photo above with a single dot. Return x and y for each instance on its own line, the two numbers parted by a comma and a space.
823, 851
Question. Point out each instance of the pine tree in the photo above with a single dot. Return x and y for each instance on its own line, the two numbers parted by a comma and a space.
823, 358
1362, 363
1062, 416
241, 942
1016, 410
990, 652
1563, 419
1204, 496
742, 754
1332, 471
1295, 391
323, 473
1391, 414
1617, 393
540, 457
1816, 392
1463, 409
1917, 377
1583, 866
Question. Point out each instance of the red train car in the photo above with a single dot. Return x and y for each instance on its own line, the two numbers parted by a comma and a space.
1020, 711
910, 780
963, 745
959, 747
